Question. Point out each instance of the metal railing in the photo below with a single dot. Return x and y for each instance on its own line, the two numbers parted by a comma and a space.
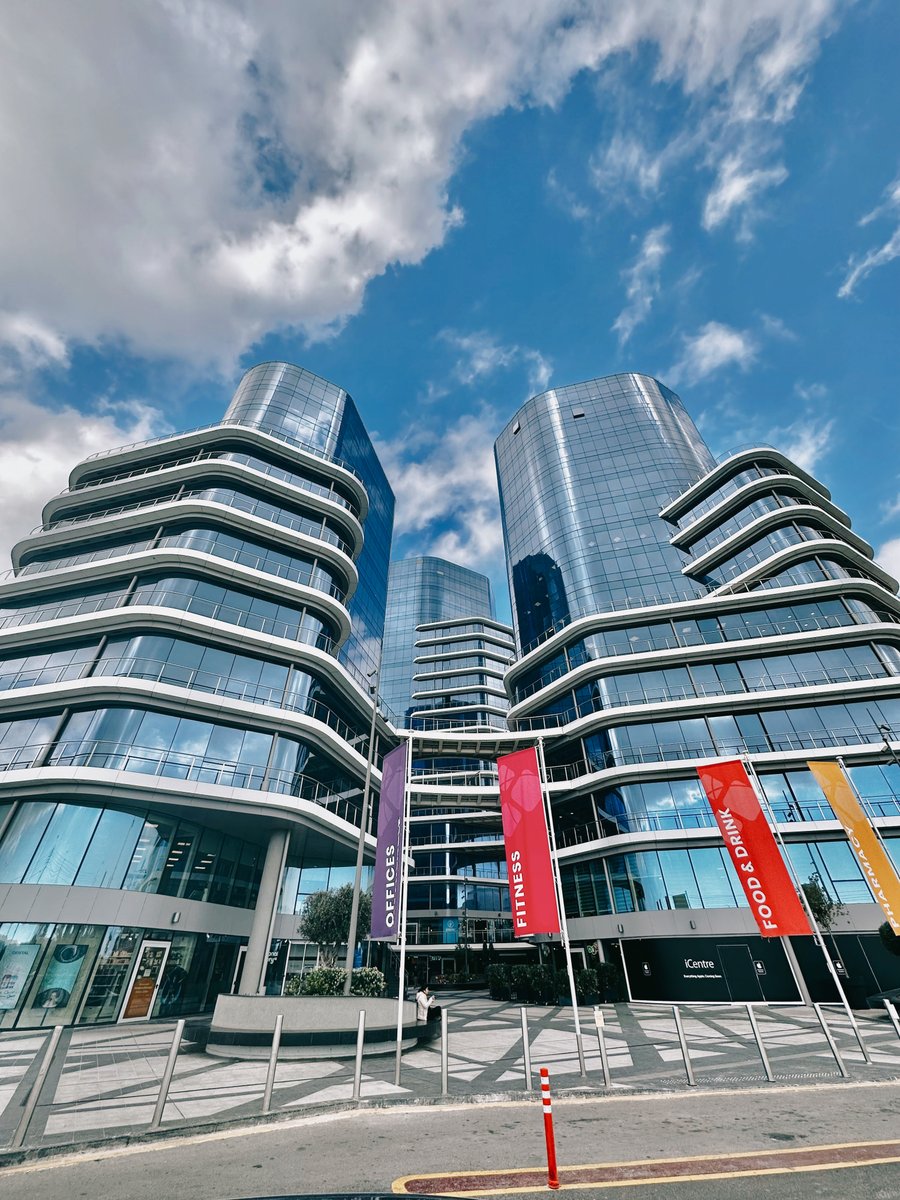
225, 456
284, 520
735, 634
737, 747
285, 439
264, 563
622, 698
176, 764
194, 679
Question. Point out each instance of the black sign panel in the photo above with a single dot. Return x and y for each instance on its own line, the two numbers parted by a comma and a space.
708, 969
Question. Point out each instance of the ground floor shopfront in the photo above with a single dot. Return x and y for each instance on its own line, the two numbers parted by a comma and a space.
65, 974
744, 967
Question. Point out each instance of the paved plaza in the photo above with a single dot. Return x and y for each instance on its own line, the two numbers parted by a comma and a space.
105, 1080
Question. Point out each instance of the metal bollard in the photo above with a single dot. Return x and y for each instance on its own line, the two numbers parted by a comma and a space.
273, 1063
166, 1081
856, 1030
360, 1040
526, 1049
759, 1044
831, 1042
445, 1053
34, 1094
892, 1013
604, 1060
684, 1047
552, 1170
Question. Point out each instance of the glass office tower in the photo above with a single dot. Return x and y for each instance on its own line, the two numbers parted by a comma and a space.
672, 611
420, 590
584, 471
184, 735
444, 659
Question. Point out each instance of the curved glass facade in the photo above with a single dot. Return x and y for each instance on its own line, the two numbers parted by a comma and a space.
291, 403
423, 590
184, 760
584, 471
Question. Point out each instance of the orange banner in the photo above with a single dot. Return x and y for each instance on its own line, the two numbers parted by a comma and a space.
877, 868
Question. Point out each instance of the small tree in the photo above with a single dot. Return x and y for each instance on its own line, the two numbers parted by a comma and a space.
825, 909
326, 920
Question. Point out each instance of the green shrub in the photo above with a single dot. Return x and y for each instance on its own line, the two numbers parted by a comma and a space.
586, 983
497, 976
366, 981
329, 981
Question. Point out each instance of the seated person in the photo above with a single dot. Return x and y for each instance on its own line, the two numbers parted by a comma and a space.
426, 1009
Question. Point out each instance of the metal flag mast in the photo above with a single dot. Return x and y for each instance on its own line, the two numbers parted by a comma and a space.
813, 923
560, 904
404, 884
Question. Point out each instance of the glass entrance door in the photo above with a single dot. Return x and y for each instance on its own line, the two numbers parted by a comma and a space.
145, 980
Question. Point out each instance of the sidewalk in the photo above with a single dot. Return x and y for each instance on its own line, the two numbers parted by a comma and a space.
105, 1079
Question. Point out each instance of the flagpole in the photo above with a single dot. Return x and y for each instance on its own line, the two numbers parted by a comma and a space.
404, 884
814, 925
560, 905
864, 805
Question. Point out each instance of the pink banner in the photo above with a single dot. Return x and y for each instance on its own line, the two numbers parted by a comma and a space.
754, 852
532, 896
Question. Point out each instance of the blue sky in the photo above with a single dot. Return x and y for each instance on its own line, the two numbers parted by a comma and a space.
444, 209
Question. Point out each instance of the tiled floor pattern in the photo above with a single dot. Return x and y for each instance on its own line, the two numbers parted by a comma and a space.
105, 1082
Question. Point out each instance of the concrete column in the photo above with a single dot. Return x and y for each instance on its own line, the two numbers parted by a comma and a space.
254, 976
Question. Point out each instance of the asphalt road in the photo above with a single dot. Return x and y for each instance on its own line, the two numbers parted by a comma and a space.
368, 1151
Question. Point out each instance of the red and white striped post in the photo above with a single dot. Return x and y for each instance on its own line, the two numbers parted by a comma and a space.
552, 1173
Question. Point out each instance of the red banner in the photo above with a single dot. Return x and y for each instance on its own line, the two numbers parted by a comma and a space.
754, 851
532, 897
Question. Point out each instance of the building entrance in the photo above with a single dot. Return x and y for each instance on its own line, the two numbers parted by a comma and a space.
145, 980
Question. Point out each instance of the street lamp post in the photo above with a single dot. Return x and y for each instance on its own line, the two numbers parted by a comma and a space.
363, 823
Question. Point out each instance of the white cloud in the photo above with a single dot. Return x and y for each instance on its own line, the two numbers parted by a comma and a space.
39, 446
888, 556
805, 441
858, 268
188, 177
482, 355
737, 185
626, 165
712, 348
776, 327
446, 489
642, 282
30, 343
565, 198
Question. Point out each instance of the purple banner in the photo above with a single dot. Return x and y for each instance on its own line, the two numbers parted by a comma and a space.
389, 852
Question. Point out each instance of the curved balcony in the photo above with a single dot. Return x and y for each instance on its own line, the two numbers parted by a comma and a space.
192, 768
291, 521
193, 679
224, 457
705, 749
781, 628
230, 426
640, 696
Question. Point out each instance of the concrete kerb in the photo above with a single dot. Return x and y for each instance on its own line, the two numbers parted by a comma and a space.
30, 1154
